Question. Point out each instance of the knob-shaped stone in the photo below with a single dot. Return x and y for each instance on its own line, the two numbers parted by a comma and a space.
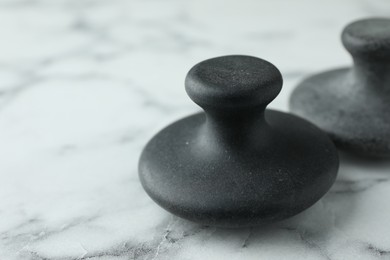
353, 104
237, 164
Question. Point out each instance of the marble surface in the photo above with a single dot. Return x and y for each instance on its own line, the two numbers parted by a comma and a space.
85, 84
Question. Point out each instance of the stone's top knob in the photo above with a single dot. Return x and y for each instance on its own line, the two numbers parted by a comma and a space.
233, 82
368, 38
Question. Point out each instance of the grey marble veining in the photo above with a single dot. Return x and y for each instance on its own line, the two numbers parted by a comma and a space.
85, 84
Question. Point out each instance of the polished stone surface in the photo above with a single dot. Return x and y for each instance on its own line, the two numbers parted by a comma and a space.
85, 84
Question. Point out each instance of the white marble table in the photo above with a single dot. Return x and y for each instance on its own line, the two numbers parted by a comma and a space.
83, 86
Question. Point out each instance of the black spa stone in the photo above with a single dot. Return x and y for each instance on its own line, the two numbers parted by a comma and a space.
238, 164
353, 104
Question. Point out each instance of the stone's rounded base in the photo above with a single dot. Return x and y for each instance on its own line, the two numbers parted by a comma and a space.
286, 167
356, 116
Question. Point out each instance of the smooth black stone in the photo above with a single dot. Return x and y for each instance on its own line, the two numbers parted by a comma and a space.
237, 164
353, 104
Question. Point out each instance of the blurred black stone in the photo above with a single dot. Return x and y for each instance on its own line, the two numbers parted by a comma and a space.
353, 104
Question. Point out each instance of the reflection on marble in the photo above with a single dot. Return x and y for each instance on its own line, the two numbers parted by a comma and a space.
83, 86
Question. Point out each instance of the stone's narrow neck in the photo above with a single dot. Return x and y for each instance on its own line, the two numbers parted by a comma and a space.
234, 129
373, 73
